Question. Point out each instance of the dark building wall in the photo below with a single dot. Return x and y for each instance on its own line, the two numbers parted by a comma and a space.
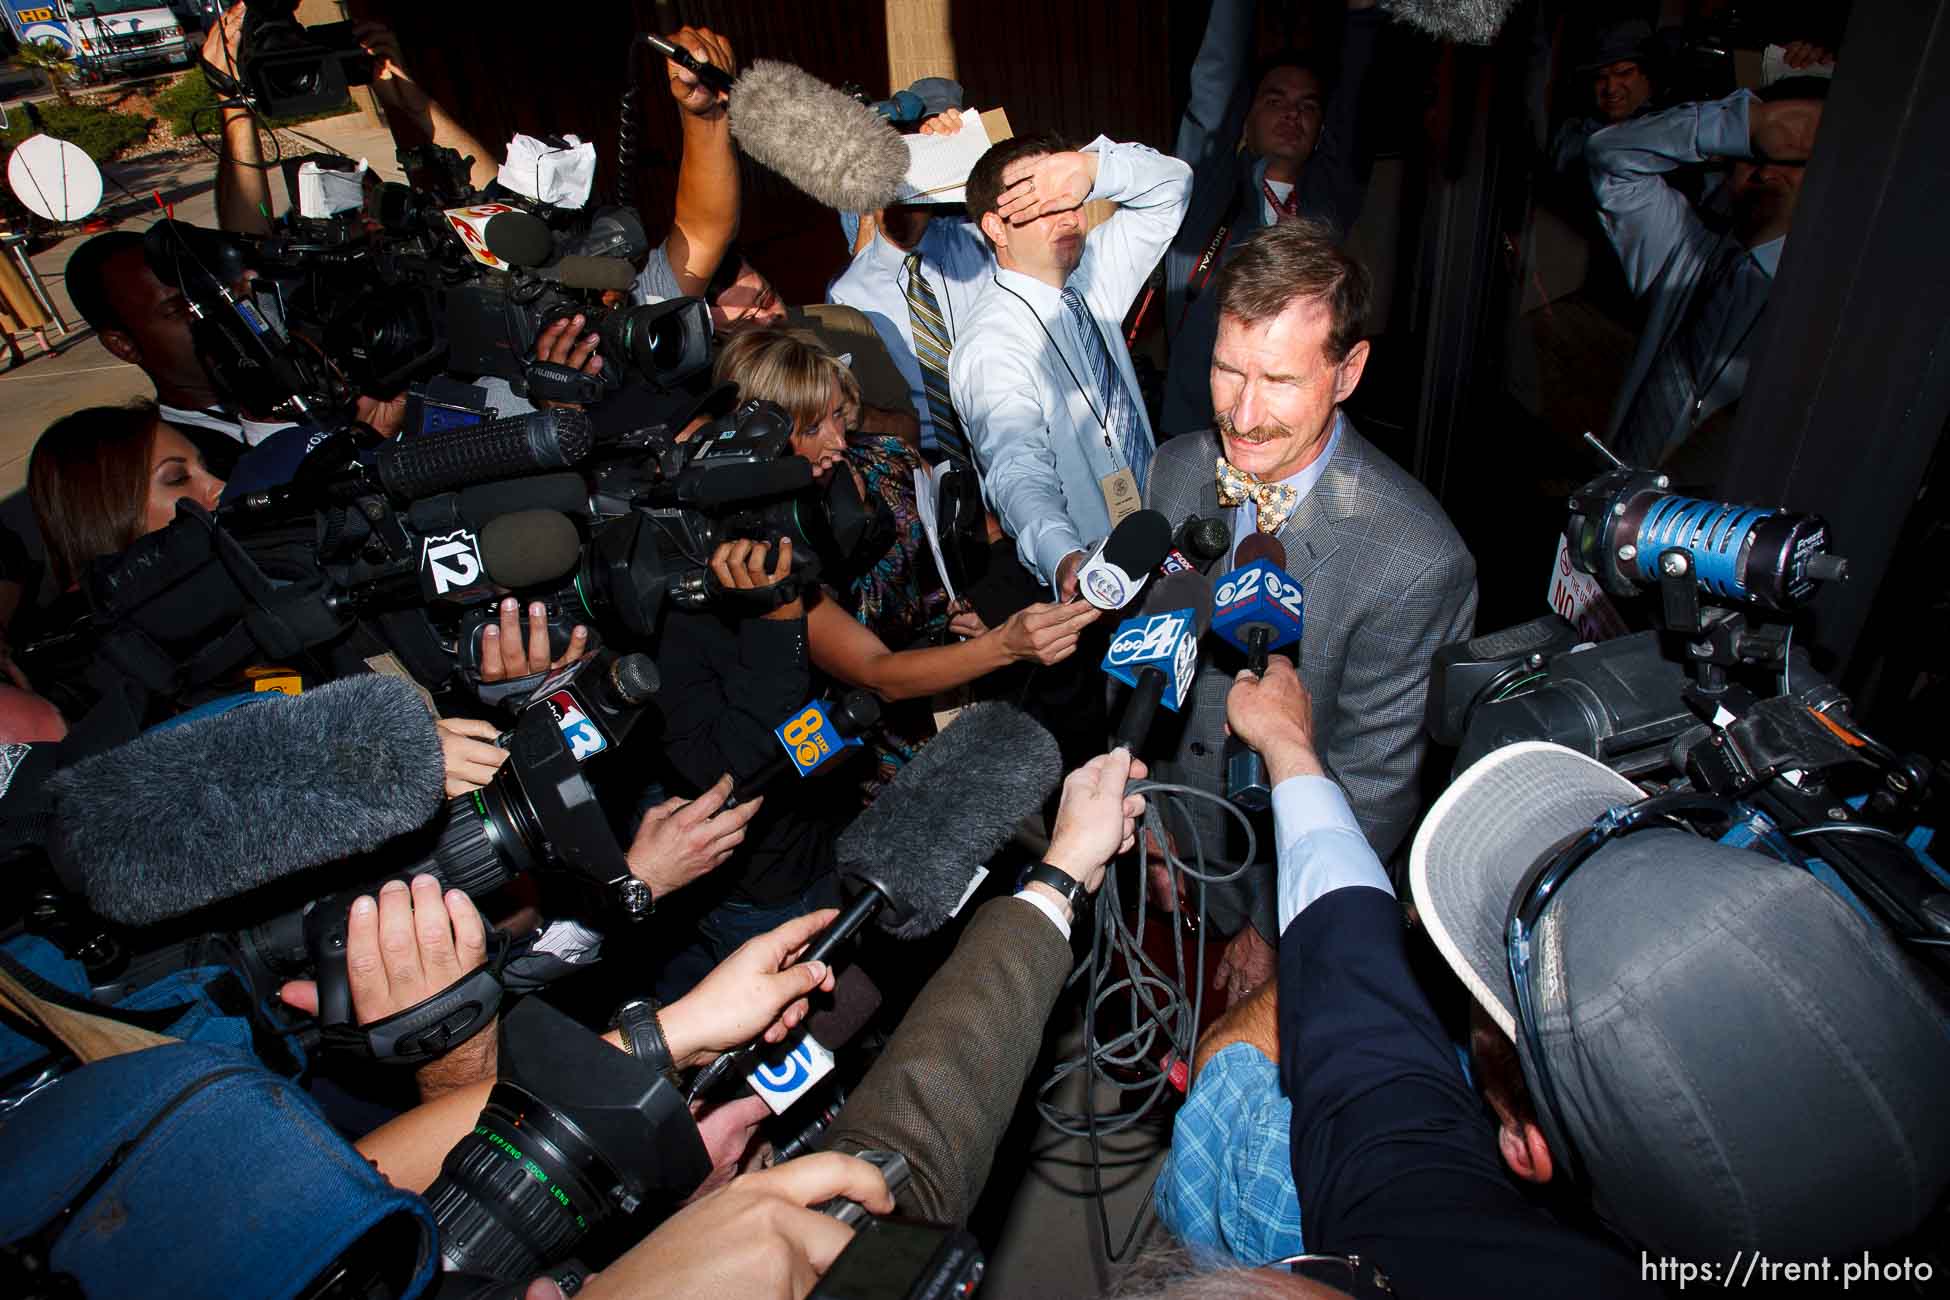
1077, 67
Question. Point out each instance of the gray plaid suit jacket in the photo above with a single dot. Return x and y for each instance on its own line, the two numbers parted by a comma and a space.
1387, 581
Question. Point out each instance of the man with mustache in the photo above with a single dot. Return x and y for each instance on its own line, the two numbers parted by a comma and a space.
1387, 579
1704, 290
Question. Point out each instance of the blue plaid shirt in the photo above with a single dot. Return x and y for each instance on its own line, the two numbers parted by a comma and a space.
1226, 1188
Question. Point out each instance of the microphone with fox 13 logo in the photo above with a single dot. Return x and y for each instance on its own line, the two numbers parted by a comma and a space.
597, 700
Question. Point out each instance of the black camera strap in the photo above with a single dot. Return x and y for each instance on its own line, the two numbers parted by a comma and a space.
434, 1026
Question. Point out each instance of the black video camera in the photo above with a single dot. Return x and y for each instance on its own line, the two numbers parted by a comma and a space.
1715, 698
575, 1135
424, 282
290, 69
665, 505
539, 815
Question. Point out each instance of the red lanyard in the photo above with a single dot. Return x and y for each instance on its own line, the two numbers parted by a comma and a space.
1282, 211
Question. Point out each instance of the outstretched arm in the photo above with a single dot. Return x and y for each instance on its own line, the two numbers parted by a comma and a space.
1648, 221
943, 1091
404, 100
706, 217
842, 648
243, 186
1213, 110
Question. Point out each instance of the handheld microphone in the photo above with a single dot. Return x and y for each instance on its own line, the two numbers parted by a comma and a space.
518, 239
474, 507
1156, 653
597, 700
914, 852
709, 73
278, 787
793, 1068
1199, 543
811, 737
1259, 596
522, 549
524, 444
522, 240
1111, 576
515, 237
1263, 611
831, 146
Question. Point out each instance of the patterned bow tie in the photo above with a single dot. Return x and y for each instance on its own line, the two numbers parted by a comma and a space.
1275, 500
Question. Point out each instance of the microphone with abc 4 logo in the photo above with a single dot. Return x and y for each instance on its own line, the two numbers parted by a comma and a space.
1260, 609
1156, 653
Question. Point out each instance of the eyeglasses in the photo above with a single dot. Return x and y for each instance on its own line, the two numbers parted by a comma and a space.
1342, 1272
1540, 885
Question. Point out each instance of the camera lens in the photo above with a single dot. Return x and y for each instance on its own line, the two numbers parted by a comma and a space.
518, 1193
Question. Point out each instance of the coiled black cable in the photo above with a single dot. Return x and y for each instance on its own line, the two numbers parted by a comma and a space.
1162, 1006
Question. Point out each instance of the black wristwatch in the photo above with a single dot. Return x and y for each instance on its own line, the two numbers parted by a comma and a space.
643, 1035
1061, 881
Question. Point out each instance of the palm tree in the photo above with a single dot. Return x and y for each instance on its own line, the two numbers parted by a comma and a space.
53, 62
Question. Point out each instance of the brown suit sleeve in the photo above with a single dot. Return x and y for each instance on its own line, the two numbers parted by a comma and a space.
947, 1086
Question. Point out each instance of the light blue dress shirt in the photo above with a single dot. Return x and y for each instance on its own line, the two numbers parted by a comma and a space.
1703, 291
954, 258
1021, 378
1321, 846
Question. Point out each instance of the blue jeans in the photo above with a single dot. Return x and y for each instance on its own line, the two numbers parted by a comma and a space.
728, 925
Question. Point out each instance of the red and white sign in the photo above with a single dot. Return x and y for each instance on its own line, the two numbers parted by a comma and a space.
1578, 597
471, 225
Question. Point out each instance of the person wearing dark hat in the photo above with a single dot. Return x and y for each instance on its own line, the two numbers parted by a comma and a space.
1619, 64
1705, 1041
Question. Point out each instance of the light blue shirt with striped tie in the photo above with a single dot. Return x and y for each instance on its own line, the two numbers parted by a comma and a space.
1042, 378
956, 264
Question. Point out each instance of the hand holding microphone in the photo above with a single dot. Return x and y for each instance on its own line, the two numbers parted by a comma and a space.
1096, 820
1274, 715
688, 87
1047, 634
759, 992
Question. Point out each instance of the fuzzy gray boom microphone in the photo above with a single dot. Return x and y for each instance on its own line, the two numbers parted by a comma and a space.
830, 145
184, 817
1466, 22
946, 813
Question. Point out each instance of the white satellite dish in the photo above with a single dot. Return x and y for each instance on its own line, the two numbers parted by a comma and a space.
55, 179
